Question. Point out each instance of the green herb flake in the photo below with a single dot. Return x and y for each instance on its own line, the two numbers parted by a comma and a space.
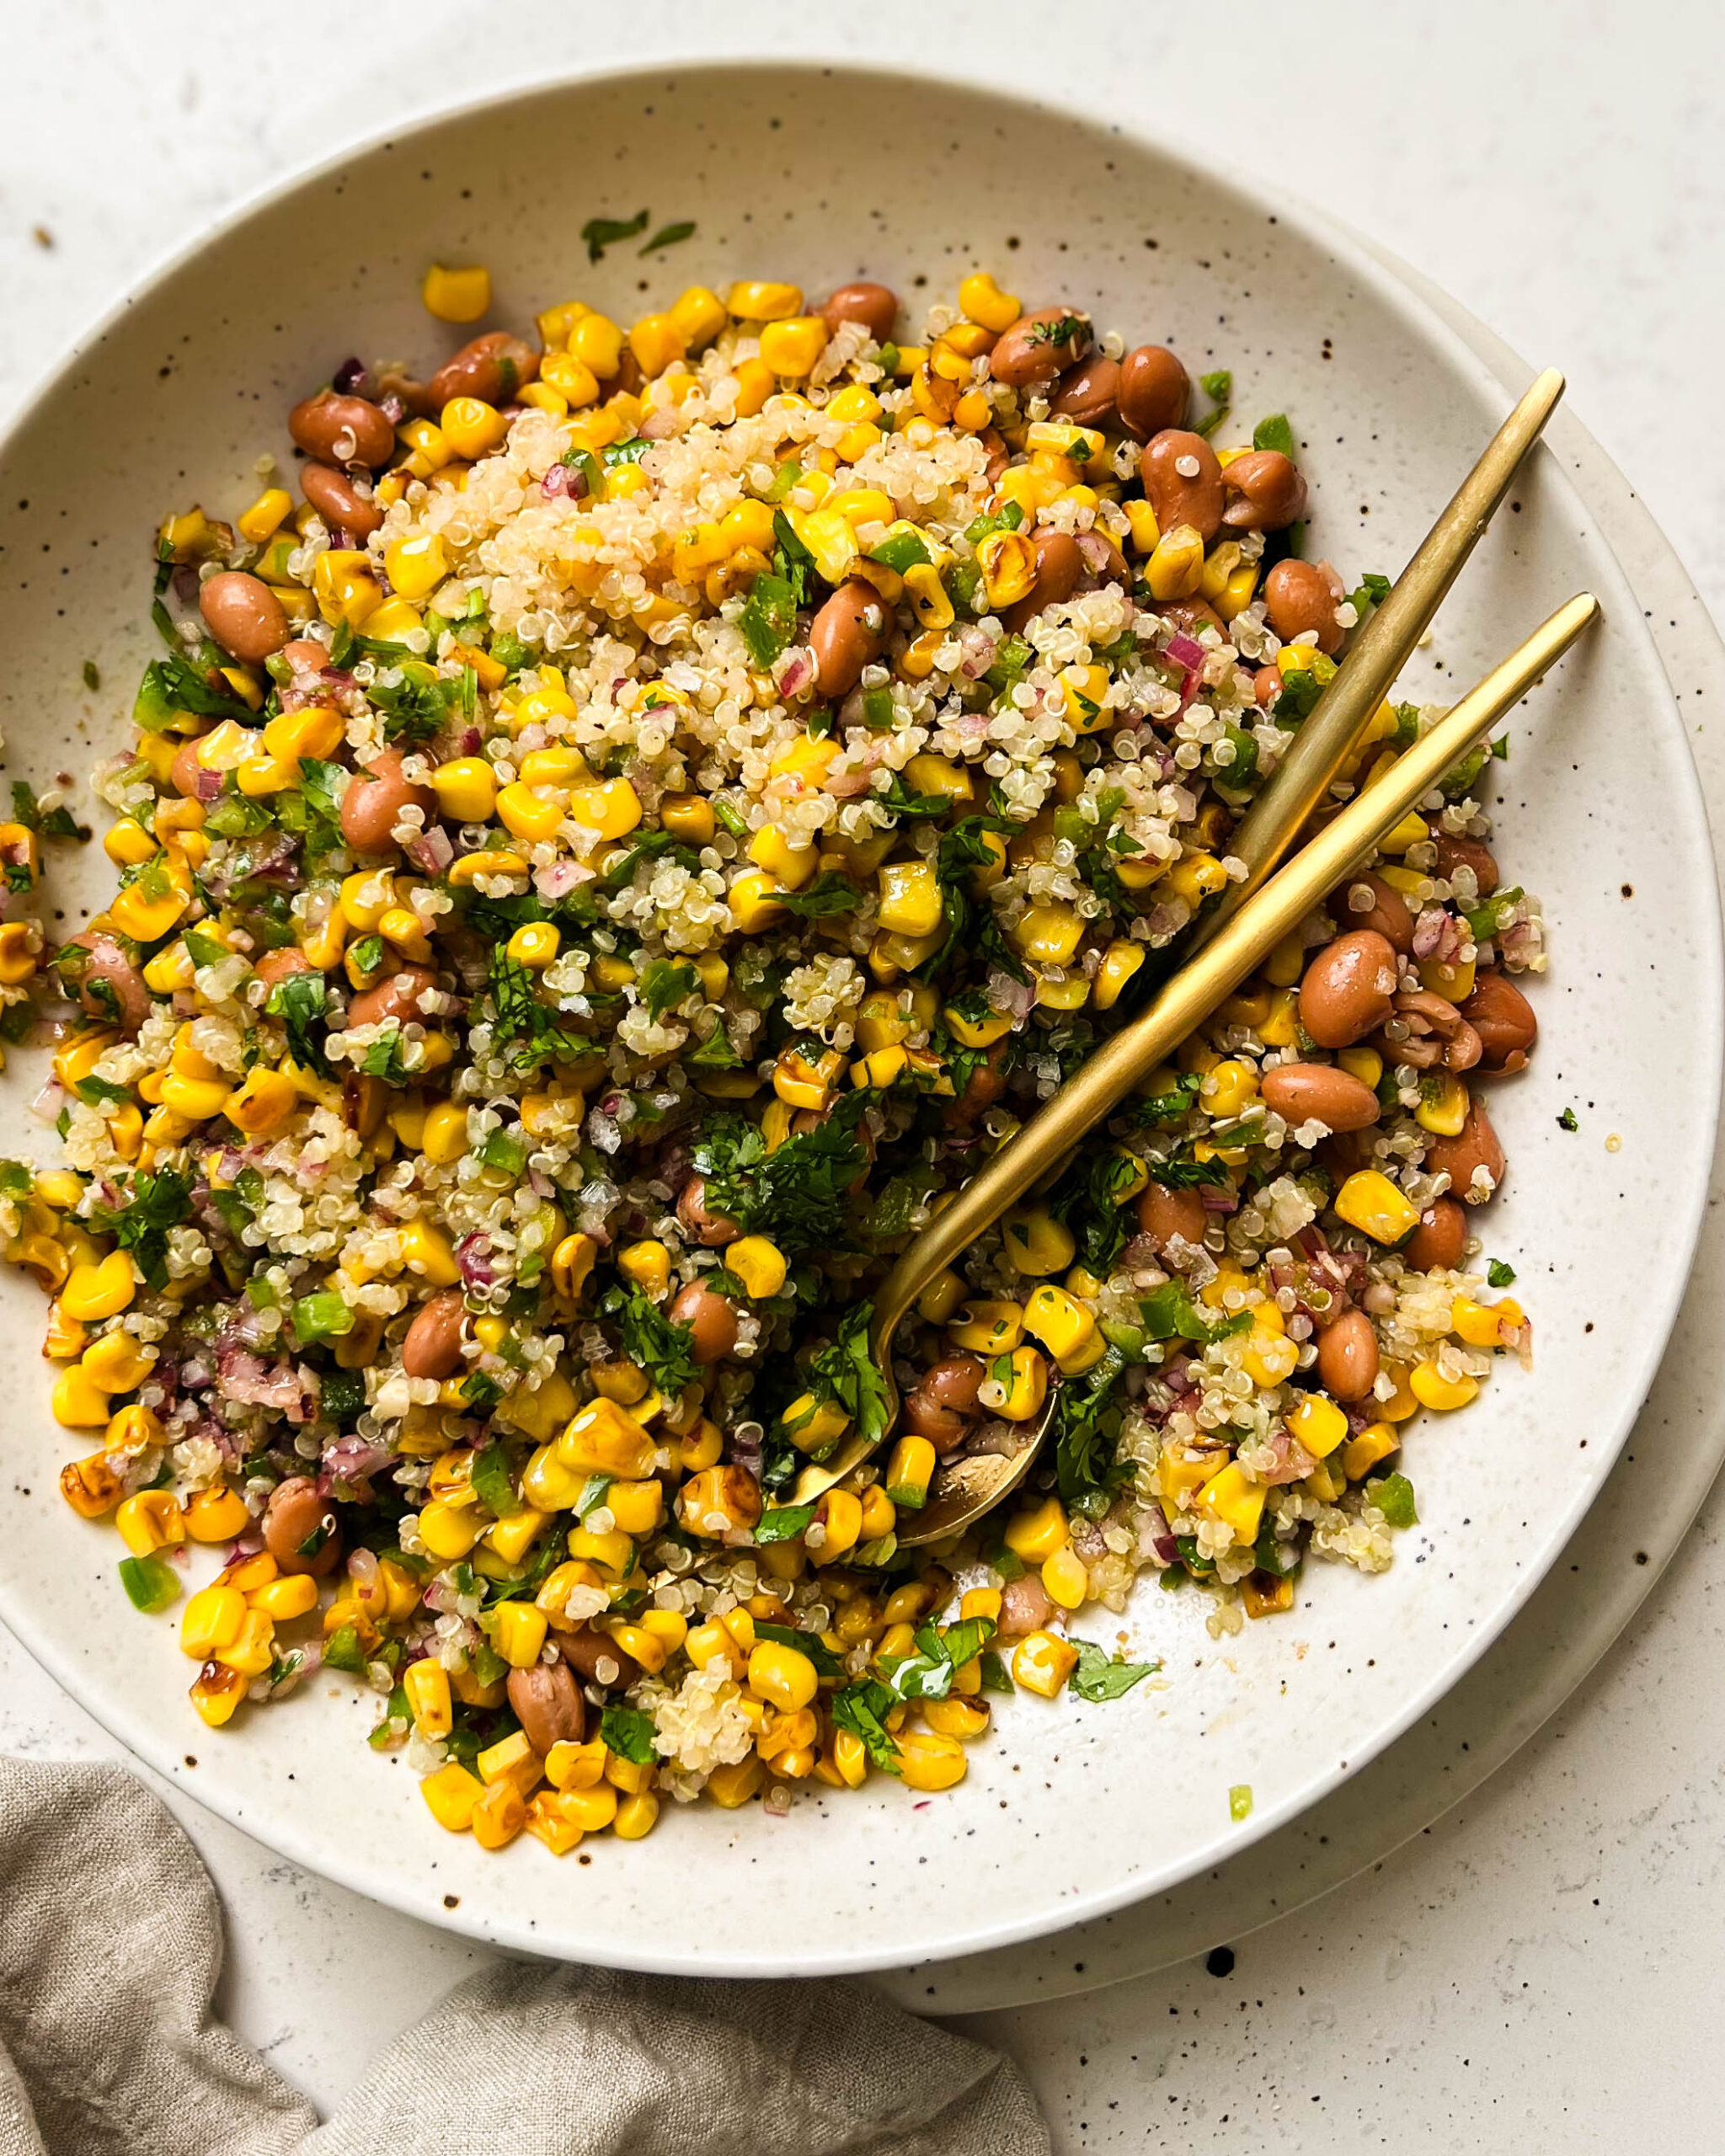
602, 232
663, 1349
629, 1734
670, 236
1275, 433
784, 1522
1568, 1120
1500, 1275
1100, 1676
861, 1709
494, 1483
1393, 1495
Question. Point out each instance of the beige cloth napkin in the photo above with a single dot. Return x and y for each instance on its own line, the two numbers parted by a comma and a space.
110, 1944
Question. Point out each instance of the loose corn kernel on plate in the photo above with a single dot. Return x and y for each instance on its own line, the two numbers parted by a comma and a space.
581, 770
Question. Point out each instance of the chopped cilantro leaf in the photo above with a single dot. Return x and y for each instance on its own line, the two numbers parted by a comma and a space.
602, 232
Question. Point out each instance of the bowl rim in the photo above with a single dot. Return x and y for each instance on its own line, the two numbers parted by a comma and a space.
1426, 326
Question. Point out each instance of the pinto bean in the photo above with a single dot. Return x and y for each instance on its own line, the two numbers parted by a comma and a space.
1182, 482
375, 798
1348, 1356
846, 635
1266, 686
1388, 912
338, 500
105, 982
1475, 1145
1163, 1215
1502, 1017
306, 655
1435, 1031
597, 1659
709, 1229
1349, 989
986, 1083
1153, 391
1303, 1092
243, 615
548, 1706
1089, 394
1440, 1238
1025, 1607
277, 965
396, 997
433, 1345
1454, 853
1192, 614
1265, 491
293, 1516
942, 1404
1035, 348
496, 367
364, 1098
1299, 596
342, 431
876, 306
713, 1319
1060, 566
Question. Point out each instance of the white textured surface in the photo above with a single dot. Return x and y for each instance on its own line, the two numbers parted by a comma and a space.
1575, 205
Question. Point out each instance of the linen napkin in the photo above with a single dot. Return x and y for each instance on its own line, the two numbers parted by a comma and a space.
110, 1944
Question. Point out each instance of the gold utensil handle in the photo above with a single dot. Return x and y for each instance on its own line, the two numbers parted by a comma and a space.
1378, 654
1237, 946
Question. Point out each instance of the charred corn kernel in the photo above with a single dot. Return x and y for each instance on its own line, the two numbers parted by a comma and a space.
1051, 934
1362, 1454
472, 427
1432, 1388
457, 295
1371, 1203
283, 1600
151, 1520
98, 1291
989, 1328
498, 1816
90, 1486
836, 1527
910, 900
215, 1515
753, 901
518, 1633
1318, 1424
343, 589
211, 1620
984, 302
448, 1531
1042, 1661
783, 1676
1007, 561
263, 1103
77, 1402
1230, 1089
217, 1693
1264, 1596
1199, 876
758, 1263
1063, 1325
258, 522
656, 342
451, 1793
929, 601
1036, 1243
602, 1439
1065, 1579
1176, 564
1033, 1536
1443, 1103
1484, 1325
1365, 1064
648, 1264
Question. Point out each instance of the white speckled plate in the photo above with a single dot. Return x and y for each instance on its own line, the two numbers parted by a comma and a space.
1069, 1811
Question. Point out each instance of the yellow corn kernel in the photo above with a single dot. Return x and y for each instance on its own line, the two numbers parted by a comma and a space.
518, 1632
78, 1403
648, 1264
1198, 876
151, 1520
211, 1620
1230, 1089
128, 845
495, 862
1065, 1578
1176, 564
1365, 1064
698, 316
753, 301
752, 899
783, 1676
451, 1793
656, 342
472, 427
637, 1814
64, 1339
527, 815
758, 1263
638, 1508
449, 1532
1443, 1103
1234, 598
1485, 1325
260, 520
1281, 1028
929, 1761
989, 1328
281, 1600
1318, 1424
911, 901
426, 1685
1231, 1499
416, 564
1371, 1203
534, 944
98, 1291
1042, 1663
264, 1103
602, 1439
1025, 1389
444, 1138
1036, 1243
514, 1537
1084, 689
1033, 1536
498, 1816
1120, 961
457, 295
836, 1527
1362, 1454
343, 589
598, 342
983, 301
1051, 934
215, 1693
1267, 1355
613, 810
427, 1251
1431, 1388
145, 918
1007, 561
215, 1515
1060, 1322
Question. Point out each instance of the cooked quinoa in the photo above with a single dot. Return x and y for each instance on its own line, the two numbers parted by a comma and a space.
596, 875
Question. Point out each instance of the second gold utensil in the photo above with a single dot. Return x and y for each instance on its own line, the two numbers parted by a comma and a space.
1237, 947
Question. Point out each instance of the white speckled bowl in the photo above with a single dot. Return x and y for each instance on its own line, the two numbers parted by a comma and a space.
824, 174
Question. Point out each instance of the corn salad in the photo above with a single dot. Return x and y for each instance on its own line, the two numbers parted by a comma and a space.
619, 832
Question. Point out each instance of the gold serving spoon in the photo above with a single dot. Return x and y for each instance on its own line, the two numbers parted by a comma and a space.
970, 1485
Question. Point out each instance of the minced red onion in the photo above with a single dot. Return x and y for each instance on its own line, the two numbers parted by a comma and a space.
350, 379
1186, 651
